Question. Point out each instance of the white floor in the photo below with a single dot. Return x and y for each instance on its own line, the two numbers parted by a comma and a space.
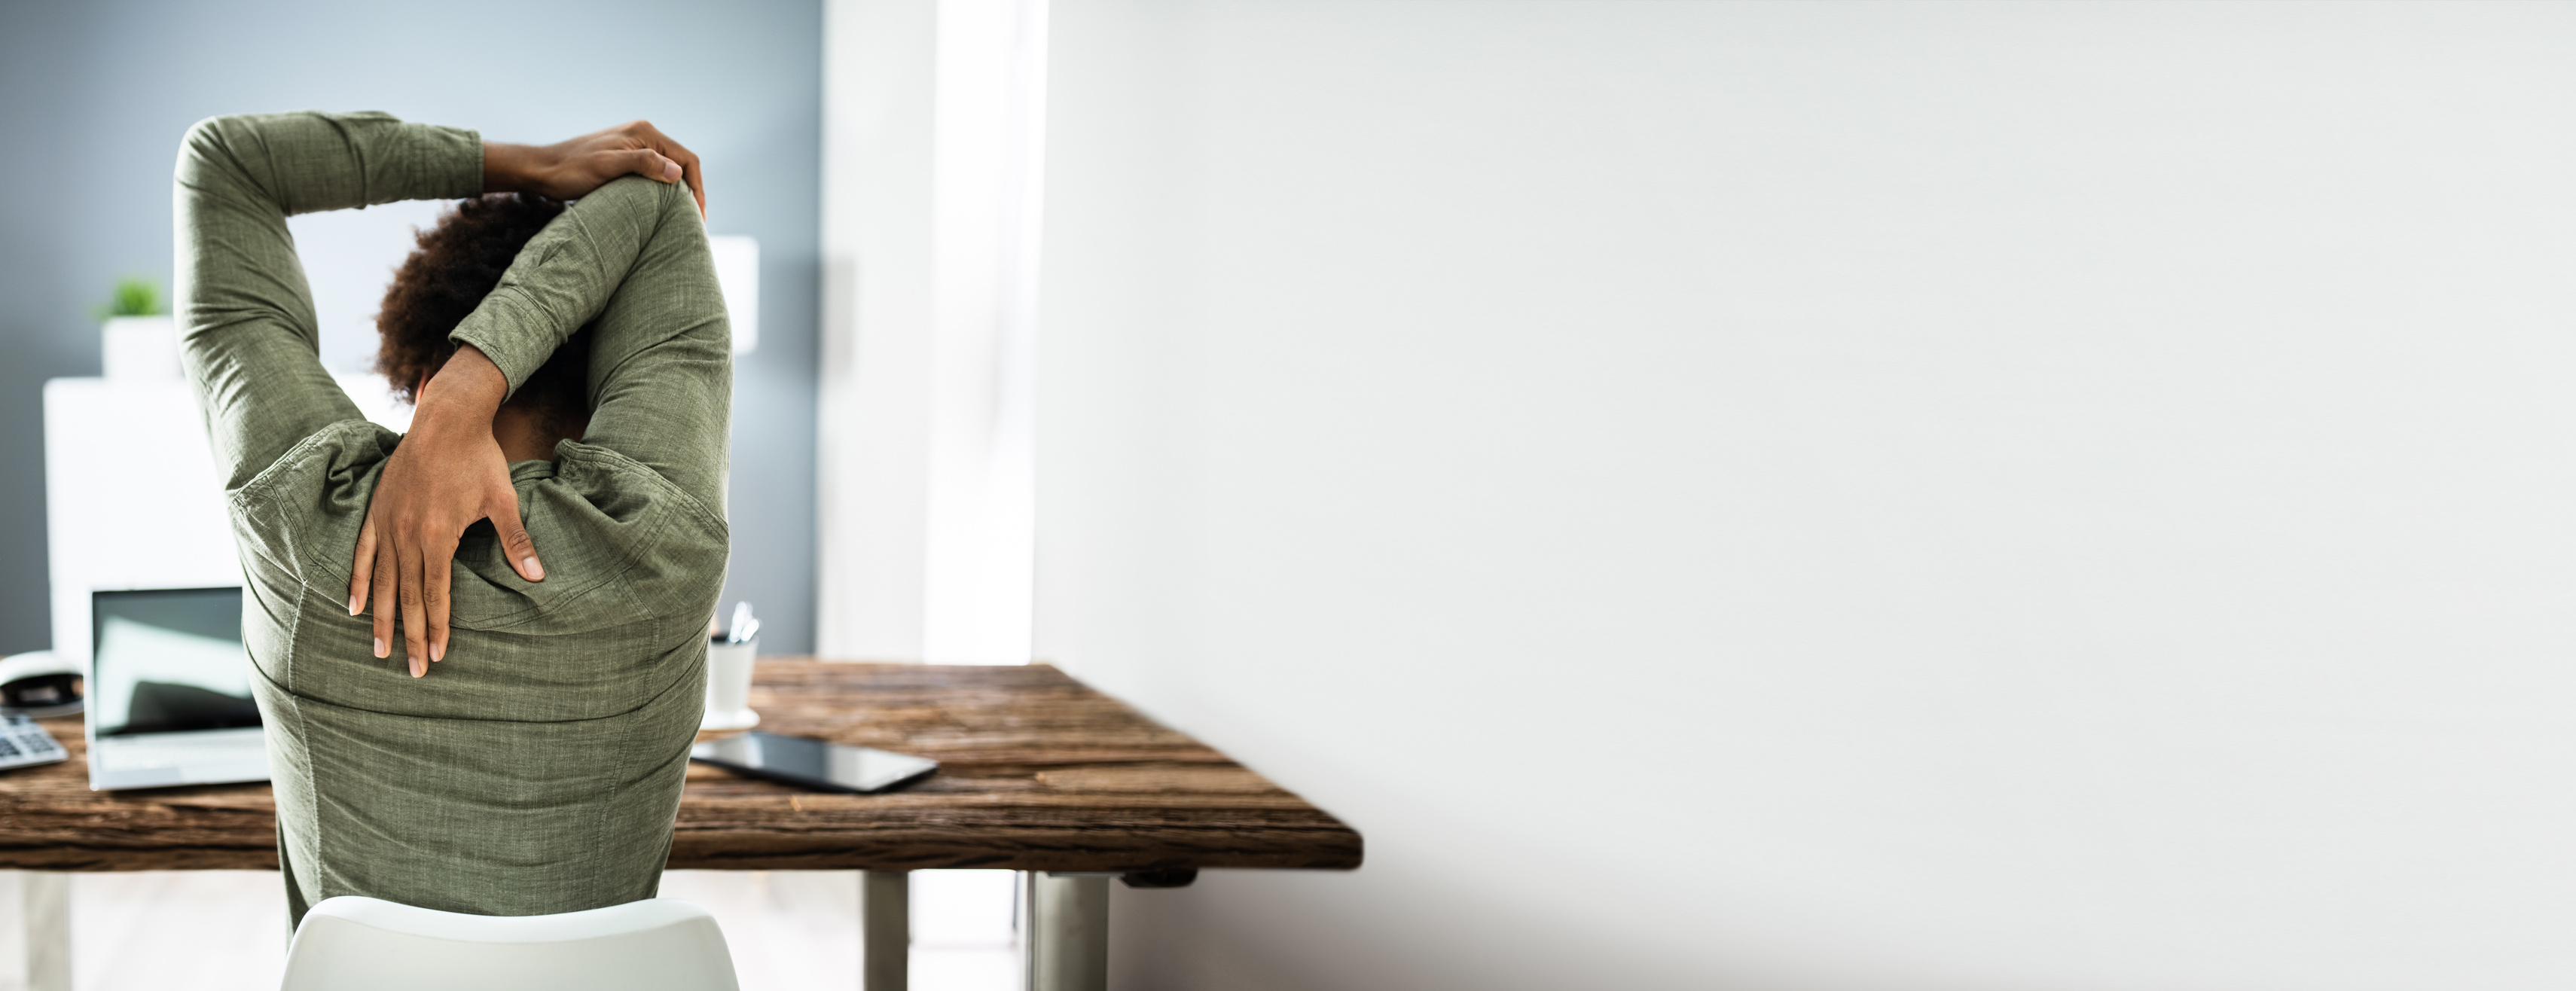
226, 930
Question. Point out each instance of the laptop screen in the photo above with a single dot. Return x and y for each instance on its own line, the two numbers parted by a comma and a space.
166, 660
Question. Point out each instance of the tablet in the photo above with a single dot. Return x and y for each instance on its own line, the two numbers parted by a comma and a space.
802, 760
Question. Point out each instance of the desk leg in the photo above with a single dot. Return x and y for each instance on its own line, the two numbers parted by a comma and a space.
1065, 934
48, 909
885, 930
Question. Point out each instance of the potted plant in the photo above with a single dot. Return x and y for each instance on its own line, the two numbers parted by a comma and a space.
138, 341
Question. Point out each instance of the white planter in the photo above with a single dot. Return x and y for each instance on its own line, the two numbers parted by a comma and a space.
139, 349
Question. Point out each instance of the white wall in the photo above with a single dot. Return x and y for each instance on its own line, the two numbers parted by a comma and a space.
872, 437
1838, 495
934, 119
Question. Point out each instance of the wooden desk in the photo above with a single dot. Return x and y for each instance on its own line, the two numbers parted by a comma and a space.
1037, 773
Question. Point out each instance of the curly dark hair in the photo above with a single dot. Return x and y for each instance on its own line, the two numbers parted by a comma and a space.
458, 263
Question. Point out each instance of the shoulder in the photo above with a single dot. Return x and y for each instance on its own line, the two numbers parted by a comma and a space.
323, 457
620, 485
292, 515
606, 511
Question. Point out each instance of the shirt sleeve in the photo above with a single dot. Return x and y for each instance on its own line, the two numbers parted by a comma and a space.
633, 255
245, 315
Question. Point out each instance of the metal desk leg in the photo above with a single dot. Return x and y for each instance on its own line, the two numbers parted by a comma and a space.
1065, 934
49, 930
885, 930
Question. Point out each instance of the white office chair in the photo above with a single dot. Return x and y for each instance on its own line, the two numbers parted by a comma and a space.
368, 943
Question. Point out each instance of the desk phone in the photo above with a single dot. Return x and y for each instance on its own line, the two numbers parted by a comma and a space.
22, 743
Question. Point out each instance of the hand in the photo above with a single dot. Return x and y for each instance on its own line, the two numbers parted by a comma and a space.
448, 473
571, 168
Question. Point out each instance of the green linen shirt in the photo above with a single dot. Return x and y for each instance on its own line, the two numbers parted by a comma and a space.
537, 769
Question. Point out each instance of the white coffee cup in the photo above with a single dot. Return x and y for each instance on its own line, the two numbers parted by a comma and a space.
729, 686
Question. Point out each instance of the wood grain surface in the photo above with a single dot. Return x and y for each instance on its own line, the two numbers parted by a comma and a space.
1037, 772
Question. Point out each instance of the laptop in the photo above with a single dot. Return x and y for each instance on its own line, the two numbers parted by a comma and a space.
169, 690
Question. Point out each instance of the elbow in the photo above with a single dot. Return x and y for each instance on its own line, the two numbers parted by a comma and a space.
204, 132
203, 146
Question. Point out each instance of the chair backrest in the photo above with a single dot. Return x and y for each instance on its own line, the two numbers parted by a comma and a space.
654, 945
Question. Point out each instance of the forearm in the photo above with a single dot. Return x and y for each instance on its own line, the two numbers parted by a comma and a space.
662, 358
632, 256
562, 278
304, 162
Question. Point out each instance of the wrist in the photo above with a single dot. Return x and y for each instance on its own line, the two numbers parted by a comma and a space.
468, 389
506, 167
445, 416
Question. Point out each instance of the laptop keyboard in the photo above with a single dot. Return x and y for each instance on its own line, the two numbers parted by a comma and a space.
22, 743
204, 747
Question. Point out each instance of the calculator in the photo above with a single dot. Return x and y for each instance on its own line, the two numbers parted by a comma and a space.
22, 742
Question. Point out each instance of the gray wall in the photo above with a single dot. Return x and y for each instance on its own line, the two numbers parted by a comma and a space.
94, 97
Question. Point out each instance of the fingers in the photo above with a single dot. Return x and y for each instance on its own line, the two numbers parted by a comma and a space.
635, 147
433, 596
383, 594
364, 565
410, 567
690, 168
502, 508
650, 164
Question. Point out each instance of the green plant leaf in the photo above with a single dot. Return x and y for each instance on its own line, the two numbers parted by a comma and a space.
134, 297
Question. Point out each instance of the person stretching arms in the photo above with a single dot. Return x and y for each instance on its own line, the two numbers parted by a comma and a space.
549, 537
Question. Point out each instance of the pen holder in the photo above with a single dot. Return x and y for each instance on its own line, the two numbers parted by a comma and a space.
729, 686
